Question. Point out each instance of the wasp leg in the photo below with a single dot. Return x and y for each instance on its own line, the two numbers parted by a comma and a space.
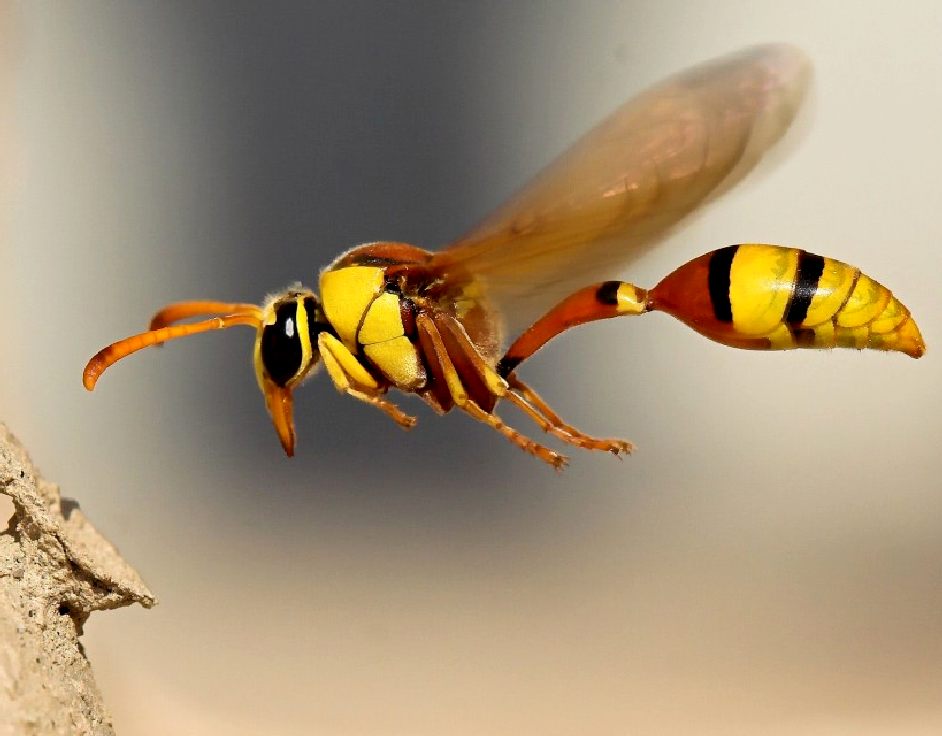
351, 378
531, 403
435, 351
527, 400
406, 421
479, 379
523, 442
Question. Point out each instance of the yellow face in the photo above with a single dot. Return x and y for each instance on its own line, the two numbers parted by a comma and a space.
286, 353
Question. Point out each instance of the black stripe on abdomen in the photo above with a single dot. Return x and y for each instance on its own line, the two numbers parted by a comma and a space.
718, 280
810, 268
607, 293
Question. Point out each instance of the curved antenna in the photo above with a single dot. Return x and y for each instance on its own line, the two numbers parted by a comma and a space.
251, 316
185, 310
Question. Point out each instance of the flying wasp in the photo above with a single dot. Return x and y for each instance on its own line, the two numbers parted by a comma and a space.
392, 315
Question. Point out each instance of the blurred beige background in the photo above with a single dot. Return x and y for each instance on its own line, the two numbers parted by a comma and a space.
770, 561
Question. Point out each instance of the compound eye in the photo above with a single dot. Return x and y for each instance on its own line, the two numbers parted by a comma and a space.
281, 345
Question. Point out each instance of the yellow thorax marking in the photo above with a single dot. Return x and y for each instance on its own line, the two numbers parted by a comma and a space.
399, 362
382, 322
346, 294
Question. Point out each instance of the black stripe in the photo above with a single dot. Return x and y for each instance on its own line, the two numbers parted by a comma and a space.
607, 292
810, 268
316, 321
507, 365
281, 344
803, 337
721, 261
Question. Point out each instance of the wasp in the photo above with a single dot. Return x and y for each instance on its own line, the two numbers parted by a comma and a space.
393, 315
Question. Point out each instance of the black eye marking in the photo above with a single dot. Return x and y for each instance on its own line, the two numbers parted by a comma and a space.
281, 345
316, 321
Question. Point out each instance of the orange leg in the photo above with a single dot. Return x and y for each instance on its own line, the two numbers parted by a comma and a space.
478, 377
351, 377
446, 368
533, 405
526, 399
406, 421
524, 443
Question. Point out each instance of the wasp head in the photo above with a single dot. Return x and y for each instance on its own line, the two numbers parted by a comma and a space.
286, 354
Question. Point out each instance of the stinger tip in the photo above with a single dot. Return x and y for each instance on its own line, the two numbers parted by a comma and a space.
911, 341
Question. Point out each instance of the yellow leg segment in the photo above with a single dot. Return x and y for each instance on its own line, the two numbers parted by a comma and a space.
351, 378
464, 402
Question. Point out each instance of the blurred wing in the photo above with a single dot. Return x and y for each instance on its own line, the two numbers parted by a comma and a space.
646, 166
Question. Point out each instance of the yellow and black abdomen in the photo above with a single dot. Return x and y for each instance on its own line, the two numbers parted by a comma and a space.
766, 297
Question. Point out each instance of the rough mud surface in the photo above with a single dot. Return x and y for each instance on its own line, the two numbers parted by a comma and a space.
55, 569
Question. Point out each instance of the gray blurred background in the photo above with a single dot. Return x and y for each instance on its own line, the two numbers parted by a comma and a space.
770, 561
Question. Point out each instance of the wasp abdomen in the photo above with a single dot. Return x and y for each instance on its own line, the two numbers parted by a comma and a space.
767, 297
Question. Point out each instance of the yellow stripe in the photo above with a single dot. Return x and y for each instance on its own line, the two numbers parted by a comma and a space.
824, 335
335, 371
257, 362
495, 384
304, 332
630, 299
851, 337
866, 302
383, 321
882, 342
761, 280
781, 338
835, 284
890, 318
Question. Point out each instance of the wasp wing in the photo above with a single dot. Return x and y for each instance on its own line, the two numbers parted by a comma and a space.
637, 173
